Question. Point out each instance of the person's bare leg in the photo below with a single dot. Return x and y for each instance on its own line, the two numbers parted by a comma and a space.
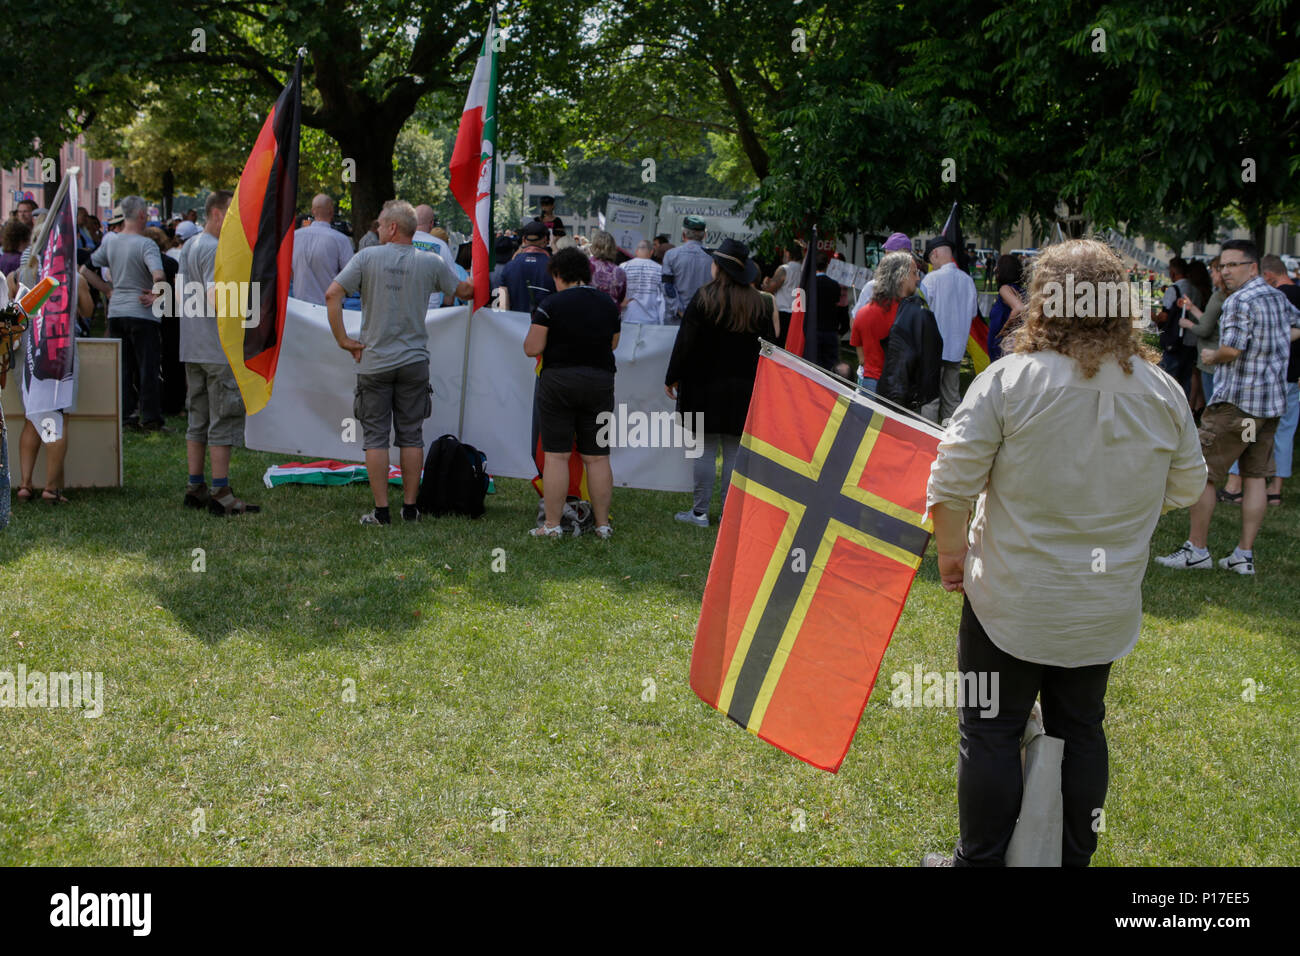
1254, 501
55, 452
29, 446
1202, 512
220, 462
555, 483
377, 473
1233, 484
600, 482
412, 462
194, 452
1275, 486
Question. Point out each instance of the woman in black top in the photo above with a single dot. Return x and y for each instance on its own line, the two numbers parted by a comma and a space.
575, 331
713, 365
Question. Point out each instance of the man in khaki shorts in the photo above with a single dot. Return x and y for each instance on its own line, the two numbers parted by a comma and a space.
395, 280
216, 409
1256, 328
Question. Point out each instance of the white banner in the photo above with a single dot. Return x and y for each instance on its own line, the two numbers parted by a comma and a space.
629, 220
309, 413
721, 219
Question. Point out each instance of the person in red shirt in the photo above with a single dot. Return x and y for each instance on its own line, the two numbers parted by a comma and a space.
896, 277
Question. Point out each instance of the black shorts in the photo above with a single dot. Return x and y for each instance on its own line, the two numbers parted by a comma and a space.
568, 403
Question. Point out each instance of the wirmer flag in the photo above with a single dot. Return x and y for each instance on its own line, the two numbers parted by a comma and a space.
255, 250
821, 536
473, 157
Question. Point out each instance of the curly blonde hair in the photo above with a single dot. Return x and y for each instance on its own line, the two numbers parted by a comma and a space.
1081, 304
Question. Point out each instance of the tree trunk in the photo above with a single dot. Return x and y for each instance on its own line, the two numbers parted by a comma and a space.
1259, 229
371, 147
749, 142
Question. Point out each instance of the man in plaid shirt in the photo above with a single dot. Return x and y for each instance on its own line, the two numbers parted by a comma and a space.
1256, 329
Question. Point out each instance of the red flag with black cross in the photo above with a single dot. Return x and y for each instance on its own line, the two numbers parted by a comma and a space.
254, 260
820, 539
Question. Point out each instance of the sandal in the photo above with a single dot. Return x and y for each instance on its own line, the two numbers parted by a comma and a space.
544, 531
1275, 500
1228, 496
25, 493
223, 506
54, 497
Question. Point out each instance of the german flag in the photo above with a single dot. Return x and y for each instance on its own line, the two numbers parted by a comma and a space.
822, 533
577, 470
977, 346
255, 251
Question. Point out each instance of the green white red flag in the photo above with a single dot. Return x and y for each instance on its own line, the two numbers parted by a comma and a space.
473, 157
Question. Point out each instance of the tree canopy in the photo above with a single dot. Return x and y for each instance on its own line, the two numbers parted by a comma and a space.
1161, 116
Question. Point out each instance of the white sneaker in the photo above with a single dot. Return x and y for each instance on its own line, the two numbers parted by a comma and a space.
690, 517
1239, 563
1185, 559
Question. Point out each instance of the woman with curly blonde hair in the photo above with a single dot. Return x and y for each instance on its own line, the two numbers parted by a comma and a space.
1069, 448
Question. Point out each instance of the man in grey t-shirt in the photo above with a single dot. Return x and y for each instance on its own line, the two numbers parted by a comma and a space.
395, 281
216, 409
136, 265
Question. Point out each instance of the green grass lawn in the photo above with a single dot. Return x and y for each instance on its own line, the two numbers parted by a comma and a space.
522, 697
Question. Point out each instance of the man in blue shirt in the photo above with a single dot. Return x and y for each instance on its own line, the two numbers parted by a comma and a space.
686, 268
526, 278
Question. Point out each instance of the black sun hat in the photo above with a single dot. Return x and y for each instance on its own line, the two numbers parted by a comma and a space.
732, 258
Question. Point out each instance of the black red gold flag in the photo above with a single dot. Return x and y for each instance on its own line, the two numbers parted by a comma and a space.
255, 251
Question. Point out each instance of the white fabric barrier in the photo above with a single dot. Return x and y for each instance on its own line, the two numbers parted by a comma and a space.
315, 382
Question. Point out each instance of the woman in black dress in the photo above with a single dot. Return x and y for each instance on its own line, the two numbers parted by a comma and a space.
713, 365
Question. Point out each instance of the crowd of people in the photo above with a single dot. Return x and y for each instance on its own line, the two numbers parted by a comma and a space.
908, 330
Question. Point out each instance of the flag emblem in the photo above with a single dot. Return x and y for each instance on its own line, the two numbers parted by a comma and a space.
822, 533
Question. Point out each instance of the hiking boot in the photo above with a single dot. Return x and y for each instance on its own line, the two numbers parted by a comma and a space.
1238, 562
690, 517
197, 496
1186, 559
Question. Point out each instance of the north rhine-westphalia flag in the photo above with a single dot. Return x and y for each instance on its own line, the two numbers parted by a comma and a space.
256, 250
821, 536
50, 342
473, 156
802, 337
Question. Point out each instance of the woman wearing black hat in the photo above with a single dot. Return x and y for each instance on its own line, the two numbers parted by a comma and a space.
713, 365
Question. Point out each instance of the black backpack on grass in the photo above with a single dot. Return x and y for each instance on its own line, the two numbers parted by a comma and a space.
455, 480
